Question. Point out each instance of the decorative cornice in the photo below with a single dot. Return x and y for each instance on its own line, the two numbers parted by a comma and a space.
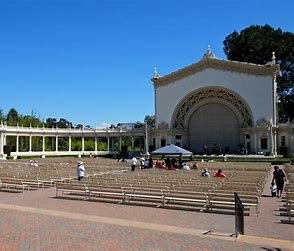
227, 65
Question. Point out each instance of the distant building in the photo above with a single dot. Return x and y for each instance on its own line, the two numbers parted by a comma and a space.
128, 126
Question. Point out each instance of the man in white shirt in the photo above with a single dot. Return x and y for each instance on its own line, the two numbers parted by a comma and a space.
133, 163
80, 170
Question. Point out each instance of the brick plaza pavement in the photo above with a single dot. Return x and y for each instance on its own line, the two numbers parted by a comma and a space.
35, 220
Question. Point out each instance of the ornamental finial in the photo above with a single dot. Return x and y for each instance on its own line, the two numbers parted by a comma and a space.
209, 53
155, 74
274, 58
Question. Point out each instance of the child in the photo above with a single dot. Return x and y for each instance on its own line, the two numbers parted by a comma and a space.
273, 189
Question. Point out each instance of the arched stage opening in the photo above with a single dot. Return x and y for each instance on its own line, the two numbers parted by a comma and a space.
214, 125
212, 116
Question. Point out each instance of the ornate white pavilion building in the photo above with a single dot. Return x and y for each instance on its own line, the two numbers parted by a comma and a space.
223, 104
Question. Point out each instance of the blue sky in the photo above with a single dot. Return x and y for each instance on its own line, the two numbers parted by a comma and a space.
91, 62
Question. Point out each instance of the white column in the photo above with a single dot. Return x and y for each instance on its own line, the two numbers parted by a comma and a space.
96, 145
17, 143
146, 140
170, 139
56, 144
30, 143
108, 143
43, 144
83, 144
255, 141
275, 108
272, 139
275, 152
1, 144
69, 143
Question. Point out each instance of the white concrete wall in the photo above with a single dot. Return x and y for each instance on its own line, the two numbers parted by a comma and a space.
255, 90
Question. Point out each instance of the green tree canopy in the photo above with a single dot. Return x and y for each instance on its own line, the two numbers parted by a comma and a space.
138, 124
63, 123
2, 117
255, 44
12, 117
51, 122
150, 120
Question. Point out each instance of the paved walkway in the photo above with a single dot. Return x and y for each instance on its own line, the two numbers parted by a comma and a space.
37, 221
268, 222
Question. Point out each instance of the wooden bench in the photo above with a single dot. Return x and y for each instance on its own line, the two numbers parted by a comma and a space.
227, 199
13, 184
143, 194
33, 183
105, 191
186, 197
76, 189
46, 182
60, 179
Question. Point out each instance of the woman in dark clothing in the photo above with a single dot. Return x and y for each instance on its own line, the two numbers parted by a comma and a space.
279, 177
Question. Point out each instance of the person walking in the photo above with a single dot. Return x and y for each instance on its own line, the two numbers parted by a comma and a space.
279, 178
133, 163
81, 170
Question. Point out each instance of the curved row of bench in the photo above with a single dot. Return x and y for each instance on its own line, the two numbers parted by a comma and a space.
148, 196
112, 181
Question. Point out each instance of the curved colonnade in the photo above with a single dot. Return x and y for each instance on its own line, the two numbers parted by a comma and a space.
107, 135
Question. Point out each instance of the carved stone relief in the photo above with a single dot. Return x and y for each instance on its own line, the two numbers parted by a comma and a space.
215, 94
163, 125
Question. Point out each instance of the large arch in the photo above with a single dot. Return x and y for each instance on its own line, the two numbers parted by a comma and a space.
214, 125
212, 116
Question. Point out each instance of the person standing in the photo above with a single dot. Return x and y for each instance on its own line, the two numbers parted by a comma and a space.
80, 170
133, 163
279, 178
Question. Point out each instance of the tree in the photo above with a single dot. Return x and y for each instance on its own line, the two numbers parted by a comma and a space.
2, 117
255, 44
150, 120
12, 117
29, 121
138, 124
51, 122
63, 123
79, 126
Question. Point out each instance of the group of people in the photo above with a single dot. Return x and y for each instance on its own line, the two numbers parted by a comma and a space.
146, 162
219, 173
168, 164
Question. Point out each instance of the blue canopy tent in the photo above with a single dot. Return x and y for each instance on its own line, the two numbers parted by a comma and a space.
172, 150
